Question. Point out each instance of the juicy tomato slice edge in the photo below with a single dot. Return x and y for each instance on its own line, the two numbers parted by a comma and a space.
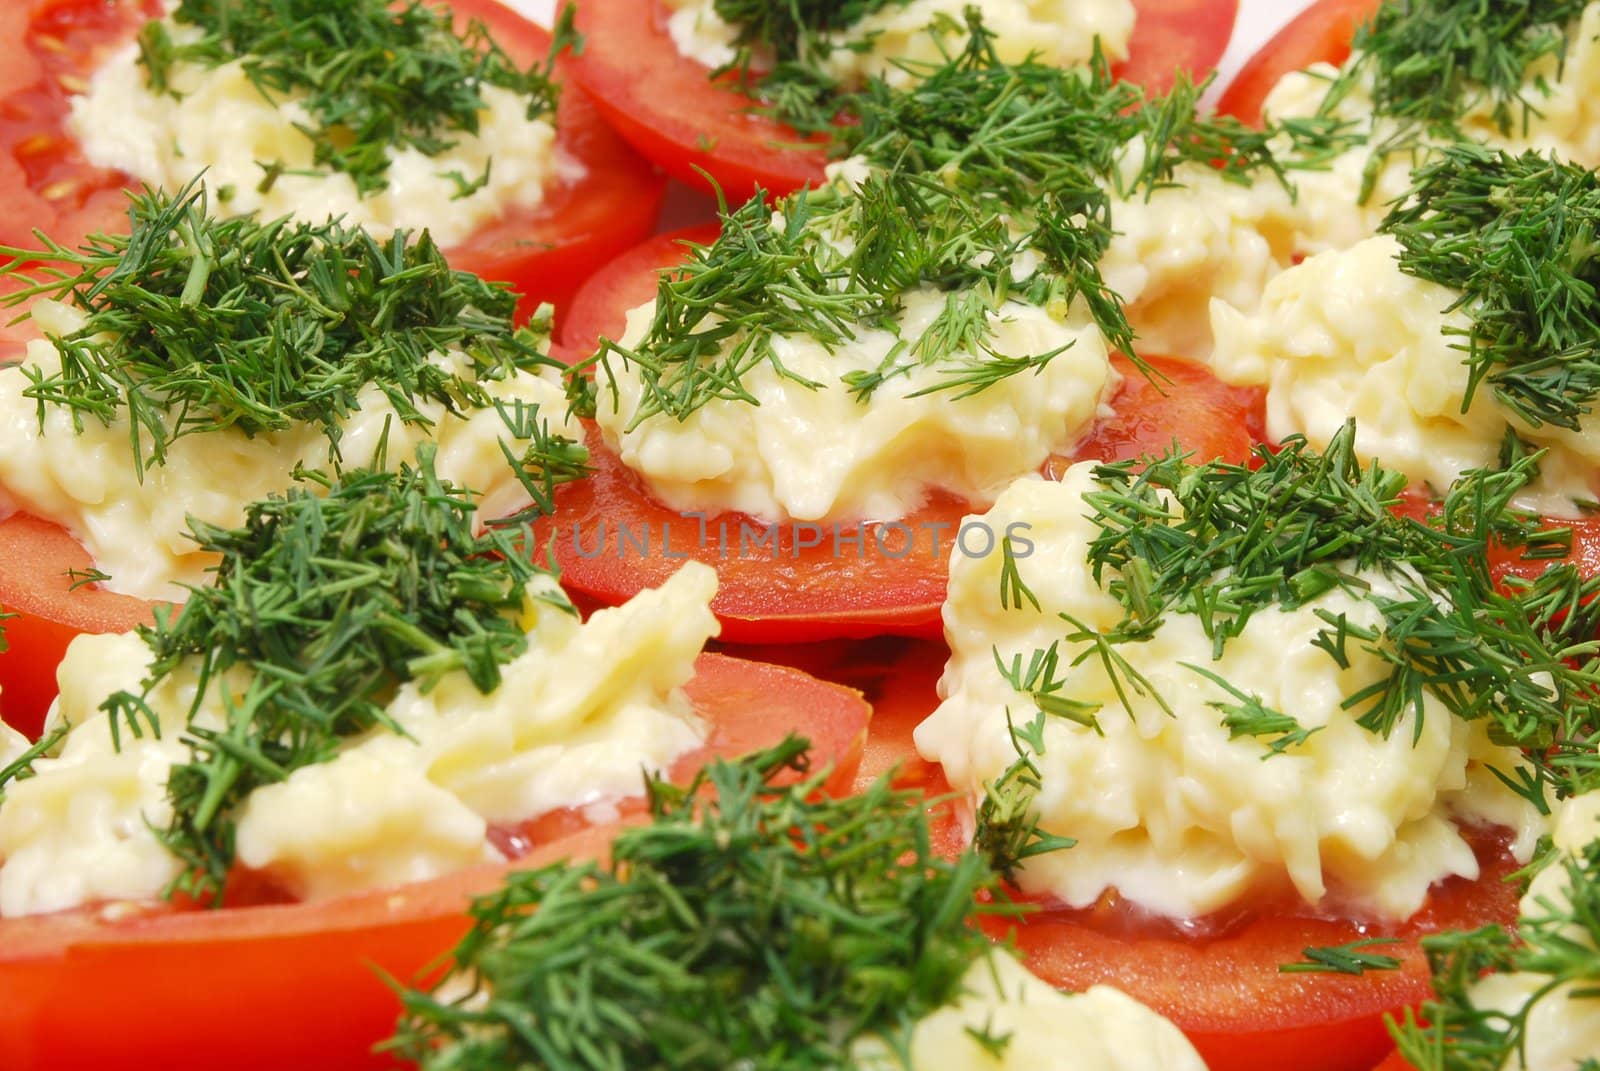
1319, 34
298, 984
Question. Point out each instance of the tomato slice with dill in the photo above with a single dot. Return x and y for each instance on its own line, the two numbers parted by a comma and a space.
302, 985
670, 109
1319, 34
797, 582
605, 201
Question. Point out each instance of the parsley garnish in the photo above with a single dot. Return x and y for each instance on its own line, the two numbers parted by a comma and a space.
1515, 235
749, 925
372, 77
326, 600
196, 324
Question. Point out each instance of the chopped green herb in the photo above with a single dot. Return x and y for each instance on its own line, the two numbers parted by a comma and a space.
21, 768
326, 599
373, 77
1515, 235
1006, 831
750, 924
1556, 945
197, 324
1350, 958
1249, 716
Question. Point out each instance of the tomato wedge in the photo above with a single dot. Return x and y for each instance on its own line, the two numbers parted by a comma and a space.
813, 582
588, 215
1225, 990
1320, 33
298, 985
667, 106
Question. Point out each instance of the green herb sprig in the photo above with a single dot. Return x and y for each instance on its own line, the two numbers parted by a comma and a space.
1556, 944
749, 924
1353, 958
1516, 236
196, 324
326, 600
372, 77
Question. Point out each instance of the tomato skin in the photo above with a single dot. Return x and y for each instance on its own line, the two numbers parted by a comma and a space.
35, 556
1227, 994
544, 253
666, 105
1320, 33
298, 985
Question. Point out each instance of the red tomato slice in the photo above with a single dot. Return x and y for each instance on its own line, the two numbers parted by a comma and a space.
35, 557
814, 583
1320, 33
667, 106
543, 253
1226, 992
298, 985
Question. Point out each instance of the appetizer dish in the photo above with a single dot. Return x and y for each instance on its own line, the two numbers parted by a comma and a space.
1158, 544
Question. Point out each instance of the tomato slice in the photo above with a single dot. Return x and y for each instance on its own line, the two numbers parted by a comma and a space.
811, 582
1225, 990
1321, 33
35, 559
588, 215
299, 985
667, 106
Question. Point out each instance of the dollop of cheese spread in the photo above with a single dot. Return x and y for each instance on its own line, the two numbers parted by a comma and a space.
1166, 809
220, 122
818, 454
1563, 1025
1035, 1024
1347, 334
80, 473
573, 722
1057, 32
1563, 118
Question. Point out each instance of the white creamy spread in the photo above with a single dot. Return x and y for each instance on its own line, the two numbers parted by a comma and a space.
1102, 1028
575, 720
135, 531
223, 124
1348, 334
1564, 119
1563, 1027
820, 455
12, 745
1196, 238
1057, 32
1166, 809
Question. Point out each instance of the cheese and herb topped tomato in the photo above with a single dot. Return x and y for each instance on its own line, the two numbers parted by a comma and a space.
941, 314
1462, 334
368, 693
1520, 76
1222, 683
360, 110
187, 370
757, 925
848, 44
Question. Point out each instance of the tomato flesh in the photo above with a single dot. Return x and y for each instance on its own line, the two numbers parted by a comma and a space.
35, 557
587, 216
1319, 34
1226, 992
704, 132
298, 985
